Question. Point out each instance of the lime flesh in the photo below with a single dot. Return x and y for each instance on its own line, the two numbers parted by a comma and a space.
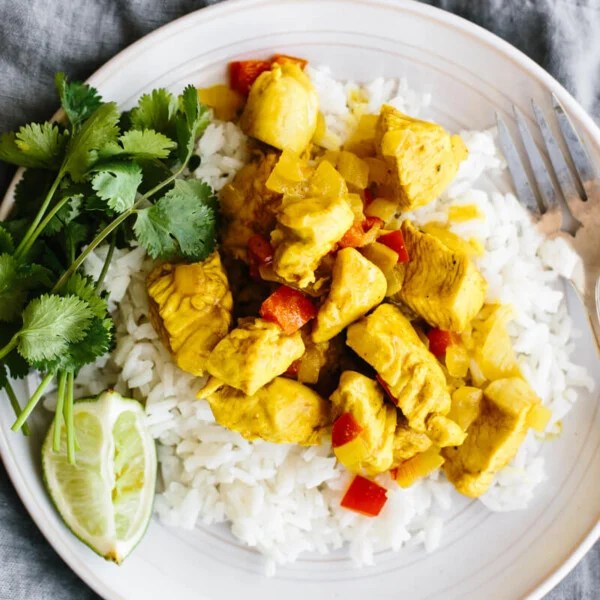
106, 497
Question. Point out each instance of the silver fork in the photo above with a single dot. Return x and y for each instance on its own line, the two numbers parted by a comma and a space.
570, 210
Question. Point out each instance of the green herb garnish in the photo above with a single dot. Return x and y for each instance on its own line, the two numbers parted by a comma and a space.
97, 174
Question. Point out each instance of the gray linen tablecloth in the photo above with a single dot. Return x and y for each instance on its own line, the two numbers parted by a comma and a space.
39, 37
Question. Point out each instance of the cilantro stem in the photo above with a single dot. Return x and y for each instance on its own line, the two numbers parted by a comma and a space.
20, 251
14, 402
10, 346
32, 402
112, 226
68, 415
58, 415
106, 265
40, 228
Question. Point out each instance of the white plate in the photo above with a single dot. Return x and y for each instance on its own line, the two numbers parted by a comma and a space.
471, 74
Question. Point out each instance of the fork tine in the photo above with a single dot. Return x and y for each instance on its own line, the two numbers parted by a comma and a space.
515, 165
581, 159
561, 169
540, 172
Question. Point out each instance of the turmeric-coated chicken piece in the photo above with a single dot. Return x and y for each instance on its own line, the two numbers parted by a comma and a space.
357, 286
190, 308
283, 412
282, 108
308, 229
373, 450
248, 206
388, 342
494, 437
423, 157
408, 442
253, 354
441, 285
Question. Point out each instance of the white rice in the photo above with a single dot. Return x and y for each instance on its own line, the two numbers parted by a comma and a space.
284, 500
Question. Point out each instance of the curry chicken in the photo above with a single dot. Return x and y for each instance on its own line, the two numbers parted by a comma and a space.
328, 316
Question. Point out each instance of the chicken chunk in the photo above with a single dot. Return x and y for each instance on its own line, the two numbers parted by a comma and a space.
423, 157
440, 285
190, 307
363, 399
308, 229
408, 442
387, 341
357, 286
248, 206
494, 437
253, 354
282, 108
283, 412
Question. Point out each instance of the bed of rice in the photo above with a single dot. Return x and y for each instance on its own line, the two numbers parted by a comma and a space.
283, 500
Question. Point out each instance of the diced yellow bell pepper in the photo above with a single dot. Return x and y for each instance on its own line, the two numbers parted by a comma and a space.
453, 241
419, 466
464, 212
466, 403
289, 172
382, 208
362, 140
354, 170
356, 204
382, 256
327, 182
395, 279
224, 101
538, 417
457, 360
352, 454
493, 347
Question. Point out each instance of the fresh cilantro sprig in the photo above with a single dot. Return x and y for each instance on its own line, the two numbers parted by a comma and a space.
95, 174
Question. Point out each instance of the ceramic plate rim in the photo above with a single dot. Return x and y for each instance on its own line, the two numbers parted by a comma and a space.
466, 28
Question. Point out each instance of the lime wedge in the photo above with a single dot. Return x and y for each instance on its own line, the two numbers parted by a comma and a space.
106, 497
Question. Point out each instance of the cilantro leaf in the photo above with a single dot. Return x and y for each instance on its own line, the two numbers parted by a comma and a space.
50, 324
34, 145
181, 223
12, 294
98, 340
155, 111
192, 119
6, 240
117, 183
44, 143
84, 287
67, 213
100, 129
79, 100
146, 144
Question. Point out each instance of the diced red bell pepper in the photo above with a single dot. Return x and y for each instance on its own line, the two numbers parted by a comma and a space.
289, 308
365, 497
243, 73
439, 340
260, 249
282, 58
360, 234
386, 389
395, 241
345, 429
